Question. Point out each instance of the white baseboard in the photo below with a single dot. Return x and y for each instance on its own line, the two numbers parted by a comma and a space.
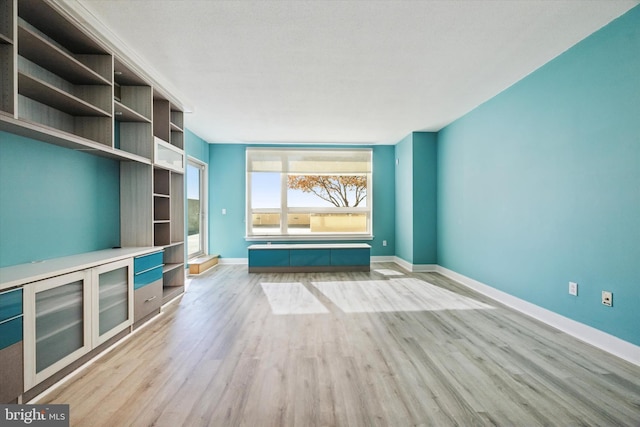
616, 346
383, 259
415, 268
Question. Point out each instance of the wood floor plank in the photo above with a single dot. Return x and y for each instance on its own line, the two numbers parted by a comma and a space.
392, 349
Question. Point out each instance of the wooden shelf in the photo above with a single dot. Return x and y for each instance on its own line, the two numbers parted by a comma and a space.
64, 139
50, 95
122, 113
161, 208
161, 182
177, 119
176, 125
161, 233
46, 17
168, 267
124, 76
6, 21
36, 48
173, 245
4, 39
170, 292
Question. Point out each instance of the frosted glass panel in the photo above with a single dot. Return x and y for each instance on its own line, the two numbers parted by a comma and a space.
169, 156
59, 323
113, 299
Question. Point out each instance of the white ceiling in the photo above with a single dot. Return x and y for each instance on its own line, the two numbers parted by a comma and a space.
342, 71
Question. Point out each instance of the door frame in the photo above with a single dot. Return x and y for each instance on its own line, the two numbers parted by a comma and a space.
204, 197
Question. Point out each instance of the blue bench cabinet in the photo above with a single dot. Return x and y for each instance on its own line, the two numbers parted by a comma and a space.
292, 258
11, 346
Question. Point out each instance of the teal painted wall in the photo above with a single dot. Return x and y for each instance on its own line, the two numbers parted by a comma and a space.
55, 201
425, 166
227, 191
541, 185
404, 198
195, 146
415, 203
384, 212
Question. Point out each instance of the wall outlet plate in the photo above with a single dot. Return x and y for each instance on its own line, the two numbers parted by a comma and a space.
573, 288
607, 298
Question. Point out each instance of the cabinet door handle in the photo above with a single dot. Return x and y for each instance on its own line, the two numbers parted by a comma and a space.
150, 299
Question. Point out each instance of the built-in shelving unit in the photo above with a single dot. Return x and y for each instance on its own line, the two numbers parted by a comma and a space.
133, 111
168, 227
37, 47
63, 83
64, 76
6, 21
168, 121
177, 128
7, 57
173, 271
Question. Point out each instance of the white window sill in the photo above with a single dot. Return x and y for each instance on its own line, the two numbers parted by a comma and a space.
307, 237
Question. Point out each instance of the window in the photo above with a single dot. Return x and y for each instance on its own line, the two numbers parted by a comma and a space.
196, 203
308, 194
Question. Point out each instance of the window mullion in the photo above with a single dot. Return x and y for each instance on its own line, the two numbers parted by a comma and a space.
284, 229
249, 213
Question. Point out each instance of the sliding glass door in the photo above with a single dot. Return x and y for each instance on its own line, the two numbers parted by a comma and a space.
196, 208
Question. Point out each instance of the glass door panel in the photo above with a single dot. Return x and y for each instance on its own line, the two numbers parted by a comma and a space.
59, 323
112, 299
196, 212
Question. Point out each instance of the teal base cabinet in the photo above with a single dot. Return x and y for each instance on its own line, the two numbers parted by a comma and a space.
11, 348
310, 257
293, 258
268, 258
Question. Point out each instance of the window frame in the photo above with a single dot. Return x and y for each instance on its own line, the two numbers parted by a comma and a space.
204, 217
284, 234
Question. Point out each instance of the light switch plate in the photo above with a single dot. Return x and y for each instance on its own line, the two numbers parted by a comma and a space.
607, 298
573, 288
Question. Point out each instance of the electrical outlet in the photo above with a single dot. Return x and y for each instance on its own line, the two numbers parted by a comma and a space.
573, 288
607, 298
384, 243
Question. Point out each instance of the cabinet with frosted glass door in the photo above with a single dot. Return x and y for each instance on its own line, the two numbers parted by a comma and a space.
57, 321
112, 299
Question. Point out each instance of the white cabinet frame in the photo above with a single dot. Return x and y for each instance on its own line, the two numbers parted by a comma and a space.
98, 339
31, 377
91, 337
168, 156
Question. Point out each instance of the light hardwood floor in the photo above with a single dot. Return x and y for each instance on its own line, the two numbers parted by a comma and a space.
389, 350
